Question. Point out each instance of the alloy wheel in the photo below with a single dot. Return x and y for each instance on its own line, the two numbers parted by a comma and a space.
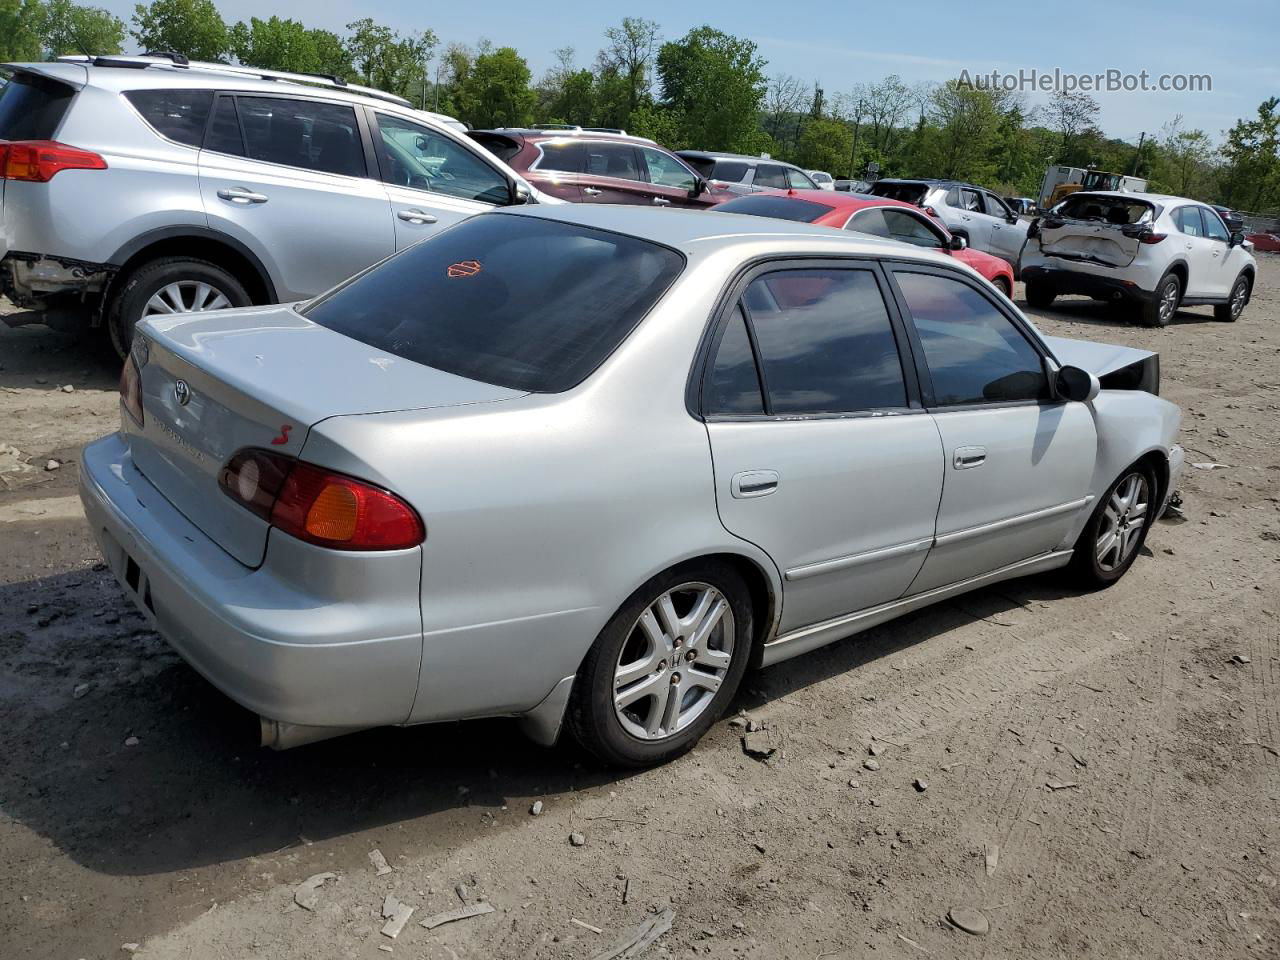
673, 661
1238, 296
1122, 522
185, 296
1168, 301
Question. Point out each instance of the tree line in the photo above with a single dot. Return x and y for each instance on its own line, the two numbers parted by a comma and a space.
707, 89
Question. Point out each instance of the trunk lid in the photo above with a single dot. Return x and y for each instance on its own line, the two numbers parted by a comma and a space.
217, 382
1092, 228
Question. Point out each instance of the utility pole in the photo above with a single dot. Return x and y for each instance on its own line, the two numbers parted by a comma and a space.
1138, 156
437, 107
853, 156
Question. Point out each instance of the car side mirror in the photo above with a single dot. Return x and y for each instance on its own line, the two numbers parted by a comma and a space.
1011, 217
520, 194
1072, 383
1237, 238
958, 243
699, 188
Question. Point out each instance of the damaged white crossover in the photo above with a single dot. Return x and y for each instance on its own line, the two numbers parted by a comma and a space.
586, 465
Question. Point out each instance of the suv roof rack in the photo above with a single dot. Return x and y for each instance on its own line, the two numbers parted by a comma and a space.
168, 60
568, 127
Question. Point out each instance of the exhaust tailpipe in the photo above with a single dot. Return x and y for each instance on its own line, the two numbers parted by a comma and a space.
279, 735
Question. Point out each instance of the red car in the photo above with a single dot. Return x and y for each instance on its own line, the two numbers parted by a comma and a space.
877, 216
593, 166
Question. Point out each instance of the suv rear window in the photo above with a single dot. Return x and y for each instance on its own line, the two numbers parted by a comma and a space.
783, 208
31, 106
179, 115
516, 301
730, 171
1112, 210
906, 192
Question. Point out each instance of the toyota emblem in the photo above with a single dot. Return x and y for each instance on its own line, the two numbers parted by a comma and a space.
181, 392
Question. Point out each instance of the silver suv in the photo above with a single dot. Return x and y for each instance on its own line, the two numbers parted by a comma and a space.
742, 174
978, 215
135, 186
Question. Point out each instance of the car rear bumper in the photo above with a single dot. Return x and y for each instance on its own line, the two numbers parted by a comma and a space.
1087, 283
312, 637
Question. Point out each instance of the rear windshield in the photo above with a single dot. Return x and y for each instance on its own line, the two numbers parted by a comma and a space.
1115, 210
906, 192
516, 301
31, 106
504, 148
783, 208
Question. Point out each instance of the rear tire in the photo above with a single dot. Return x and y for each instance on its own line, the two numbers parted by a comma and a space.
1039, 294
1113, 537
1002, 284
1160, 309
1230, 311
638, 654
171, 285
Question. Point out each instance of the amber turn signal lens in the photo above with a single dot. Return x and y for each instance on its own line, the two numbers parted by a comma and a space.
334, 513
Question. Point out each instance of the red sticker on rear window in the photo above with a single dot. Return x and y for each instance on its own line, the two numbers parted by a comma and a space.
464, 268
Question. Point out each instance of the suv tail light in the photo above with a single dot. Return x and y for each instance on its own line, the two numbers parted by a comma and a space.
1151, 237
931, 212
318, 505
38, 161
131, 389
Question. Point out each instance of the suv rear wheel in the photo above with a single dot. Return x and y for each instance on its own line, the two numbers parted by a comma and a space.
167, 286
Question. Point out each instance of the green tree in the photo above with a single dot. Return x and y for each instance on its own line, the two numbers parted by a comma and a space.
193, 28
277, 44
1251, 174
20, 22
495, 91
967, 121
390, 61
824, 145
69, 28
1072, 114
629, 57
714, 83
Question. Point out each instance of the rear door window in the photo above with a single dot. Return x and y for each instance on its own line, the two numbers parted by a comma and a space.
308, 134
825, 341
770, 175
734, 385
178, 115
617, 160
971, 201
512, 300
973, 351
730, 171
1188, 221
564, 156
32, 106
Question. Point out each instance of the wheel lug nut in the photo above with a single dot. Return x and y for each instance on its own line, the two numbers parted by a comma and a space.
675, 678
690, 655
662, 664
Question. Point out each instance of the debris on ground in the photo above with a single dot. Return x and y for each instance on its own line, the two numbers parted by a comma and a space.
969, 920
130, 947
536, 809
1056, 785
80, 690
477, 909
1240, 658
576, 839
875, 749
871, 764
380, 866
396, 914
756, 744
636, 941
584, 925
52, 465
920, 785
131, 741
1210, 466
307, 893
991, 853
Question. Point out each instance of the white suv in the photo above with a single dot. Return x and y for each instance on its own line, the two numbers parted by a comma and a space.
1144, 249
134, 186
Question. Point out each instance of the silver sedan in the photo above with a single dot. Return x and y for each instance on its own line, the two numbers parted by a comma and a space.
586, 465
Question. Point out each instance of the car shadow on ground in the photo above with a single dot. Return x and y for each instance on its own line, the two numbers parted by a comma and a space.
1098, 313
33, 352
196, 790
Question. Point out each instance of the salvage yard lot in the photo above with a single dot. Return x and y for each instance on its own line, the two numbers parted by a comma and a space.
135, 807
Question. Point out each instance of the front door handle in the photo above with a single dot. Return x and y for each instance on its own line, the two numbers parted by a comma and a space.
661, 202
966, 458
241, 196
753, 483
592, 191
416, 216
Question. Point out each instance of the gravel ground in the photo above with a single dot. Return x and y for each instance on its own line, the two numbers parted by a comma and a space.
1096, 776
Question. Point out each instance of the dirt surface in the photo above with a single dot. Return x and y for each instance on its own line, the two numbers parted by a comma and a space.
136, 808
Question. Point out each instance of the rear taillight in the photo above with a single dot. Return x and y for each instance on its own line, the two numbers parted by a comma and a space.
318, 505
931, 212
39, 161
131, 389
1151, 237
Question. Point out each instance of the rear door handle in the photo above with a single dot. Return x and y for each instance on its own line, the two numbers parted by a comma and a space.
966, 458
416, 216
241, 195
753, 483
592, 191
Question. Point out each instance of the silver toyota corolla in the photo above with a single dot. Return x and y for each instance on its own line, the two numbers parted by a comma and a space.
584, 465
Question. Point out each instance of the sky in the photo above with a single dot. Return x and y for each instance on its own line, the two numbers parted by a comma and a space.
1237, 43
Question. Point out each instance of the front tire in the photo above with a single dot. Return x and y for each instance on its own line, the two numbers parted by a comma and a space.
665, 666
1159, 310
1039, 294
1115, 533
168, 286
1002, 284
1230, 311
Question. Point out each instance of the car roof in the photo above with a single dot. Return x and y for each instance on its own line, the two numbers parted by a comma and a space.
156, 73
1163, 199
716, 155
533, 133
839, 201
682, 229
929, 182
